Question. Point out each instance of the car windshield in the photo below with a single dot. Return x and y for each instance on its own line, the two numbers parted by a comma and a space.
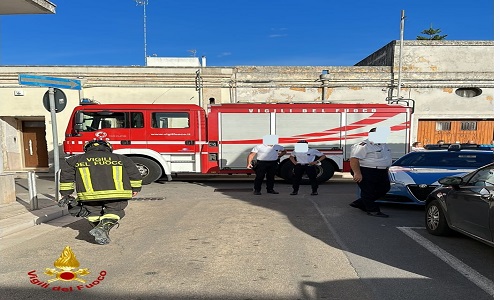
459, 159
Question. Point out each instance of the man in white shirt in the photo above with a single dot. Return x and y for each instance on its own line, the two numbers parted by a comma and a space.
370, 162
267, 159
305, 162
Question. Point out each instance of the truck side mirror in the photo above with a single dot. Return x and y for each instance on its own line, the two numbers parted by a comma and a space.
78, 121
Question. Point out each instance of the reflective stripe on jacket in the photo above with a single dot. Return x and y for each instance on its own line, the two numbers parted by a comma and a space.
100, 175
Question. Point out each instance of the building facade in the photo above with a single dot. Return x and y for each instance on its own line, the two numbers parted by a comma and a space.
449, 83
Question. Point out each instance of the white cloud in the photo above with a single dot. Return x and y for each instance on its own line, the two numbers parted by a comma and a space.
273, 36
278, 33
224, 54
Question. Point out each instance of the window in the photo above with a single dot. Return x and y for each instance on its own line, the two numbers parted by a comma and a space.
468, 126
33, 124
484, 177
93, 121
468, 92
443, 126
446, 159
170, 120
137, 120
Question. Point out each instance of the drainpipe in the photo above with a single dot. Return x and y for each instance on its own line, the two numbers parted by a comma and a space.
325, 78
402, 29
199, 87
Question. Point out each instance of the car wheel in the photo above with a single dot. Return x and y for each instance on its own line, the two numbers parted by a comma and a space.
148, 168
435, 220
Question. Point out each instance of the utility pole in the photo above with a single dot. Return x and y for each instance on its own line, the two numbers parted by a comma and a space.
144, 3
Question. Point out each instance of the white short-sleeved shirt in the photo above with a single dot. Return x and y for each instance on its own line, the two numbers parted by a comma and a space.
372, 155
306, 157
265, 152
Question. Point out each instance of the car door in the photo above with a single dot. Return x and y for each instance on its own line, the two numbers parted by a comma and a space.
470, 207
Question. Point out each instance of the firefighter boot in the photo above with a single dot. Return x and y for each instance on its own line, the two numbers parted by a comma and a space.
101, 231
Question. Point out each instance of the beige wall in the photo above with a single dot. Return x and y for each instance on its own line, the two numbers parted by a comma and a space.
431, 74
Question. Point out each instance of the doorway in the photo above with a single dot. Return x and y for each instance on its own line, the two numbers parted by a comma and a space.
35, 145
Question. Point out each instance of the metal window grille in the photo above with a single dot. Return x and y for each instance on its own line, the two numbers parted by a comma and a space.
443, 126
469, 126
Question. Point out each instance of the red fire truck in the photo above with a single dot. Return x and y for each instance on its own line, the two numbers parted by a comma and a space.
166, 139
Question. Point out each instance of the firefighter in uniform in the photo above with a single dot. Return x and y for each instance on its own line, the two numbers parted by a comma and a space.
305, 162
369, 166
266, 165
104, 182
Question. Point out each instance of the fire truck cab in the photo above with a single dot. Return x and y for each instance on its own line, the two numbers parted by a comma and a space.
166, 139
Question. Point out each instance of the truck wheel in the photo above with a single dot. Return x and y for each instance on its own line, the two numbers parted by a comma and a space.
324, 172
285, 170
148, 168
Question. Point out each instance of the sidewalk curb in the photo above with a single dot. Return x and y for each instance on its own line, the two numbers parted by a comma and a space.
29, 219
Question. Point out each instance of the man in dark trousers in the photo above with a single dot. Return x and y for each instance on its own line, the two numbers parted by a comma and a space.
305, 161
370, 161
104, 182
267, 155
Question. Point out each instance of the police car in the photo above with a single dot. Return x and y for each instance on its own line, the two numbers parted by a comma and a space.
415, 175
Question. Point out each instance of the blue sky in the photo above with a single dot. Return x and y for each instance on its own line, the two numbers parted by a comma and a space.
231, 32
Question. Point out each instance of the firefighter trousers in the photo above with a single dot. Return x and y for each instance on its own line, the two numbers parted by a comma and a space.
109, 209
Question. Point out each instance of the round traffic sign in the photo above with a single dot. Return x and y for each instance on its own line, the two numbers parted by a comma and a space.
59, 99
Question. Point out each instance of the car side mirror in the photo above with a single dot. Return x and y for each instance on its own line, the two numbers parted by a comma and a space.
452, 181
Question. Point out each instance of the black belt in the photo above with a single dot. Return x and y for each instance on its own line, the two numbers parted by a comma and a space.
268, 160
380, 168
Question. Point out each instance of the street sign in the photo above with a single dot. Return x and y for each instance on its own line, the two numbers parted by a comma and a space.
55, 82
60, 100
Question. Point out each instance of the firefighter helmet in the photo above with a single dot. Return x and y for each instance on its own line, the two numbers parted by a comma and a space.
96, 143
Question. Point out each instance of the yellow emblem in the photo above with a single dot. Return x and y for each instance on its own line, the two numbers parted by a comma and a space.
66, 262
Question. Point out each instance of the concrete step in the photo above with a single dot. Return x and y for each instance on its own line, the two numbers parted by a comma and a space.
19, 218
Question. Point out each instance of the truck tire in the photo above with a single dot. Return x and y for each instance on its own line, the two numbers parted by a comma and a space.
324, 171
149, 169
285, 170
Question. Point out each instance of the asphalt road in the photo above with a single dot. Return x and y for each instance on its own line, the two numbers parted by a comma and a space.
211, 238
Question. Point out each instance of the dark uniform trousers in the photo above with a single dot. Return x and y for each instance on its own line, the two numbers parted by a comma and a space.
374, 185
298, 171
101, 208
267, 169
